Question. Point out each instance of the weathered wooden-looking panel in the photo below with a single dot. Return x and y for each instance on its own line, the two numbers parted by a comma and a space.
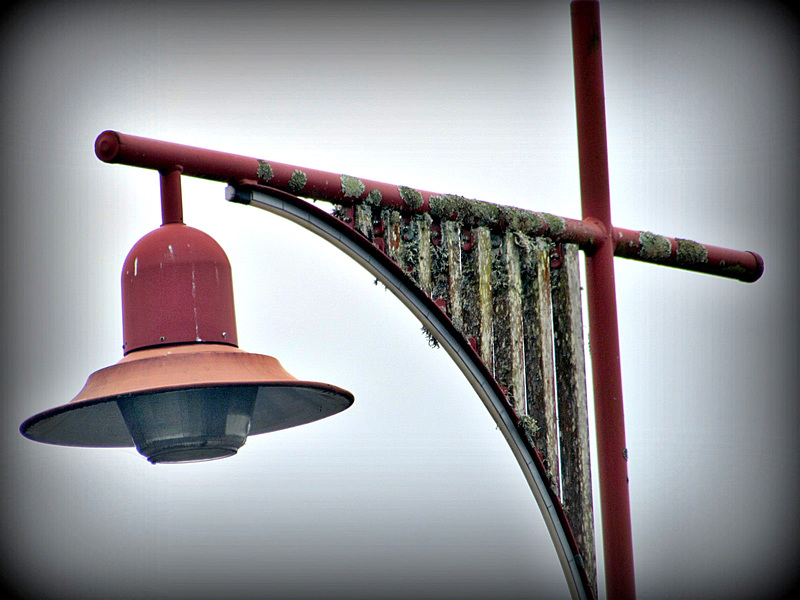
516, 299
573, 417
539, 367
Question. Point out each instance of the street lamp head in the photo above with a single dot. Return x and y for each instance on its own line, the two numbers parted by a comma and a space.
183, 391
185, 403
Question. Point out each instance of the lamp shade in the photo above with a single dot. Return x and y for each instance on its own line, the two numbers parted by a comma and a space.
216, 377
183, 390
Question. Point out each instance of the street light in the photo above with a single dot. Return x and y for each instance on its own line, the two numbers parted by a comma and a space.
184, 391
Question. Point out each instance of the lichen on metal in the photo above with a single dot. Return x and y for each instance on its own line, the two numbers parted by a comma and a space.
265, 172
485, 308
423, 225
478, 213
508, 328
297, 181
528, 221
451, 207
499, 275
411, 197
440, 278
439, 208
482, 214
409, 248
502, 344
734, 270
573, 420
555, 225
352, 187
530, 427
373, 198
451, 242
537, 319
516, 321
690, 253
470, 309
654, 247
363, 222
393, 223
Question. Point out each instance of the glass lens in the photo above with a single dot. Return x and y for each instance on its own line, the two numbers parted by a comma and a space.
189, 425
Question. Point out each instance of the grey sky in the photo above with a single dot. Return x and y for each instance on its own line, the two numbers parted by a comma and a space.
412, 493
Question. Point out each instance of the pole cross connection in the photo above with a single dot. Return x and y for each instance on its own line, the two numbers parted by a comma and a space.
490, 269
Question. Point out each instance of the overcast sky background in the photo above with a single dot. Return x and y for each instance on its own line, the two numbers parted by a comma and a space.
413, 492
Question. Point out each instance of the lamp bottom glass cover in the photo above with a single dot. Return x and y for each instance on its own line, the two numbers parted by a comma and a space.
189, 425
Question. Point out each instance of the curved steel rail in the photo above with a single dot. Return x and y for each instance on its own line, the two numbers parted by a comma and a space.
360, 249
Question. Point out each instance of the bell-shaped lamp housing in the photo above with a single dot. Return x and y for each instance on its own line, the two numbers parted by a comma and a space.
183, 391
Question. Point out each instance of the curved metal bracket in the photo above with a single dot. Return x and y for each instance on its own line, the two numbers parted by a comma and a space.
436, 321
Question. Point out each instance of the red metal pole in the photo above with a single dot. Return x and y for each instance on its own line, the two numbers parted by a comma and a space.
171, 197
602, 302
173, 160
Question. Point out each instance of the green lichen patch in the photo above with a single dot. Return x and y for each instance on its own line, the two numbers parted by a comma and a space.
555, 225
409, 248
265, 172
424, 223
297, 181
470, 308
352, 187
506, 214
476, 213
529, 426
654, 247
736, 270
691, 253
528, 221
447, 207
363, 222
438, 208
439, 272
374, 198
411, 197
482, 214
499, 275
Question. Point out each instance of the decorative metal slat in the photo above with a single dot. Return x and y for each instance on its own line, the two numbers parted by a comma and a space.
485, 309
539, 360
501, 324
516, 323
422, 224
576, 478
393, 222
363, 220
471, 311
451, 240
440, 269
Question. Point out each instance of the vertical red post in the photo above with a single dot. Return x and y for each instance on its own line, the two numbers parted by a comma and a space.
602, 302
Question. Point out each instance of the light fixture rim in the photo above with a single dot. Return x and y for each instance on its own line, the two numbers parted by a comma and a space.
187, 366
334, 398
